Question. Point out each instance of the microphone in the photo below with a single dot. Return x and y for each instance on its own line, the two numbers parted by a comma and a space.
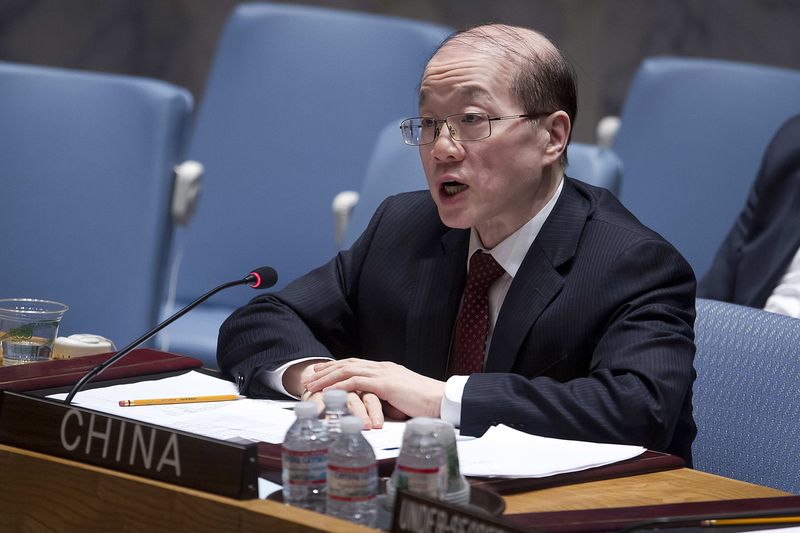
260, 278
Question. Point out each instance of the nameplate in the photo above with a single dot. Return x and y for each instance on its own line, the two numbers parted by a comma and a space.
48, 426
414, 513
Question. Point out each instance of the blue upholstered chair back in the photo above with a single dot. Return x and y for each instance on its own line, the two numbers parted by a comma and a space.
692, 136
595, 165
86, 172
291, 108
746, 396
395, 167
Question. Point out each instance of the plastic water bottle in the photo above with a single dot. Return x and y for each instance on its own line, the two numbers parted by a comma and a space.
335, 410
304, 459
352, 475
421, 466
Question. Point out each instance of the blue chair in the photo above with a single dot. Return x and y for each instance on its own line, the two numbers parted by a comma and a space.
289, 115
692, 136
395, 168
595, 165
86, 163
746, 396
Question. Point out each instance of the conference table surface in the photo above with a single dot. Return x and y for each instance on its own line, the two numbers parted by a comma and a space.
34, 482
670, 486
151, 506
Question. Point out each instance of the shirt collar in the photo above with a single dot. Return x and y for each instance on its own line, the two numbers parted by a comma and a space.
510, 252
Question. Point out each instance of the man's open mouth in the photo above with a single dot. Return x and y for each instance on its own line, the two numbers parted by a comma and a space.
451, 188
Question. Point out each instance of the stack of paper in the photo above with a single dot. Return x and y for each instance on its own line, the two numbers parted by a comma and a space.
506, 452
254, 420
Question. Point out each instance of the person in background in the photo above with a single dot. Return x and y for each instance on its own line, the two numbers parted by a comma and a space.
506, 293
758, 263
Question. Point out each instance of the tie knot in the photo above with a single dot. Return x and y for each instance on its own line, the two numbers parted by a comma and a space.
483, 269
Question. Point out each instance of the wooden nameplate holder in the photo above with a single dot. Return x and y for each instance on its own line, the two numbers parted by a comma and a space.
51, 427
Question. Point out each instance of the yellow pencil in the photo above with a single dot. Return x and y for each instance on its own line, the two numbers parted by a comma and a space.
188, 399
751, 521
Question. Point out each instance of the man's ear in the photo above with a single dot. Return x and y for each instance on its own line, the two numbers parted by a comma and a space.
558, 126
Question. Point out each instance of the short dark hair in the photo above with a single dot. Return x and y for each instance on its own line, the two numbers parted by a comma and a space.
544, 80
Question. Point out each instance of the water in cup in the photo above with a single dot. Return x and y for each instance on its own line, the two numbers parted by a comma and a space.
28, 328
35, 349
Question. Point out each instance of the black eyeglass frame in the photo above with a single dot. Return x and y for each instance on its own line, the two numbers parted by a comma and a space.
440, 122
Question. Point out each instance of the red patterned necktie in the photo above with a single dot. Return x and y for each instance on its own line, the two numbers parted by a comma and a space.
472, 324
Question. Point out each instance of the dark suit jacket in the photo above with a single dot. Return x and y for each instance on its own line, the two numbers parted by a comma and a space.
594, 340
765, 237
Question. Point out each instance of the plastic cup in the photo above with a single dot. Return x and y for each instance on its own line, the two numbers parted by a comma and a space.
458, 488
28, 328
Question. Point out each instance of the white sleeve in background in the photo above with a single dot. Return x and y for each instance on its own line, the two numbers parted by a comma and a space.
451, 400
275, 377
785, 297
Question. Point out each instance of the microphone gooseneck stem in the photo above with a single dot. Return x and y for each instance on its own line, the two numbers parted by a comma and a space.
123, 352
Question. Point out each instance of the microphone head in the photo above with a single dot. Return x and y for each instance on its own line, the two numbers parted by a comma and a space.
262, 277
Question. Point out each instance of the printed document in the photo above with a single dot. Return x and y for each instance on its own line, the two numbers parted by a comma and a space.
506, 452
250, 419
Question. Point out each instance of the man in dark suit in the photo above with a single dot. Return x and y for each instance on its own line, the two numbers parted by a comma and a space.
506, 293
758, 264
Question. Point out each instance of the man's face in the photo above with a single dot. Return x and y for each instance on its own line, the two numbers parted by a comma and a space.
494, 184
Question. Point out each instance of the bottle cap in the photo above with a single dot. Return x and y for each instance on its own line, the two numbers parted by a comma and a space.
334, 397
352, 424
421, 425
305, 410
445, 431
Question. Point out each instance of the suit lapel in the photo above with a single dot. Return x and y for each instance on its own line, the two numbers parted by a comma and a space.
429, 324
538, 281
534, 286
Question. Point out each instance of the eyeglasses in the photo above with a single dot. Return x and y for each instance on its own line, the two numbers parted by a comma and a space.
418, 131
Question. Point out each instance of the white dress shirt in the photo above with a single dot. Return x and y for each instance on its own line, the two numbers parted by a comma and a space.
509, 254
785, 298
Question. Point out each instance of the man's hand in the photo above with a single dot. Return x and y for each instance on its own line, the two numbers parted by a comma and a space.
365, 405
295, 375
411, 393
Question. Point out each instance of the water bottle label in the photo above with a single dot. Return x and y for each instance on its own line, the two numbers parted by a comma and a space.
305, 467
420, 480
352, 483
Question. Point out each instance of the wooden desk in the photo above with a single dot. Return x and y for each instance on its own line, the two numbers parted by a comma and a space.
46, 493
672, 486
